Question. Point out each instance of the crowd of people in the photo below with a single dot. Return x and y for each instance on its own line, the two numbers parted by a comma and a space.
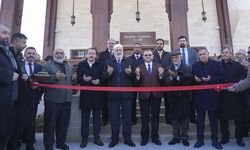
144, 68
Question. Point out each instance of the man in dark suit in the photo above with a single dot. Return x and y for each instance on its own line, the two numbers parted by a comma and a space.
89, 73
8, 87
163, 58
103, 57
207, 71
118, 73
147, 75
24, 103
232, 104
179, 74
189, 57
136, 59
29, 68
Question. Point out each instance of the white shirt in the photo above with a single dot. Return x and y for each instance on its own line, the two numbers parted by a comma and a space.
151, 63
90, 63
27, 67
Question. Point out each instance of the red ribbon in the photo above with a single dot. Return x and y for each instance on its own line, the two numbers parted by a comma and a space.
216, 87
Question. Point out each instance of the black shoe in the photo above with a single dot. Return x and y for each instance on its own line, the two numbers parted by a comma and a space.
62, 146
113, 143
84, 143
30, 147
98, 141
104, 123
174, 141
240, 142
216, 145
49, 148
224, 140
129, 143
144, 142
199, 143
185, 142
157, 141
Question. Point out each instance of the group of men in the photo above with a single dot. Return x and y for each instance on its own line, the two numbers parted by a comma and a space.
147, 68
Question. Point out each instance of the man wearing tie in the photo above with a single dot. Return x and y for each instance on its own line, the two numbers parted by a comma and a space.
118, 73
147, 75
29, 68
136, 59
189, 57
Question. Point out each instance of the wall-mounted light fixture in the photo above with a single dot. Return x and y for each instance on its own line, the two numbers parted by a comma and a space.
137, 13
203, 13
73, 17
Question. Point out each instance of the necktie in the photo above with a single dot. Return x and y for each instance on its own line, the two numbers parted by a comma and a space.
149, 69
137, 57
30, 69
184, 56
118, 65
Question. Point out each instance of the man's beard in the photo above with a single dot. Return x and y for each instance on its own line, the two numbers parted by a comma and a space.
182, 45
118, 57
159, 48
58, 60
4, 42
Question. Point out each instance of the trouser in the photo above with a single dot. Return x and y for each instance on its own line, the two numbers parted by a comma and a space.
105, 112
147, 106
212, 115
239, 125
56, 119
180, 129
166, 104
114, 117
134, 119
96, 112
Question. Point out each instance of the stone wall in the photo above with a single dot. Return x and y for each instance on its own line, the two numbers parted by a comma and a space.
153, 18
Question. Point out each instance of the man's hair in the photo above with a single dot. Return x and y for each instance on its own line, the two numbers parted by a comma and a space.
137, 44
30, 47
181, 37
18, 36
203, 48
148, 49
159, 40
226, 48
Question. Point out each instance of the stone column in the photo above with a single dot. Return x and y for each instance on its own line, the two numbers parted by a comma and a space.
101, 13
177, 15
224, 23
11, 13
50, 26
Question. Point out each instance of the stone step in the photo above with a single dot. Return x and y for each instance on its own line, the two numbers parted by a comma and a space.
165, 131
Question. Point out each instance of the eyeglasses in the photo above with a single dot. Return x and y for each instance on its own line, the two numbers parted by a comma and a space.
148, 55
57, 53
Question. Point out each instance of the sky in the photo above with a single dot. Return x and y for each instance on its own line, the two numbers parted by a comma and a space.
33, 21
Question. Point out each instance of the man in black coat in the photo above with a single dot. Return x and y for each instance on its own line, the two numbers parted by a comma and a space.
232, 104
163, 58
207, 71
136, 59
24, 103
118, 73
89, 73
8, 87
179, 74
103, 57
189, 57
